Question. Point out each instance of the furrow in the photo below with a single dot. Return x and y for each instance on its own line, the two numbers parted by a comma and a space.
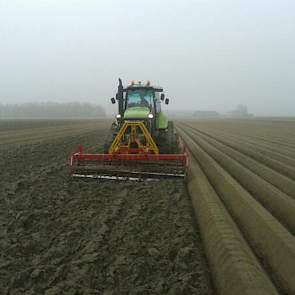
273, 243
278, 155
276, 202
251, 151
230, 258
283, 183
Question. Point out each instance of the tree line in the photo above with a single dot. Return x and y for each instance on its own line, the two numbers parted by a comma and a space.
51, 110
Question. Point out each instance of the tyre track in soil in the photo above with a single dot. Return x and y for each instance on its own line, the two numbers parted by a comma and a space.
277, 149
276, 202
241, 128
260, 140
11, 125
277, 154
34, 135
261, 180
251, 151
266, 142
269, 240
282, 182
72, 237
235, 270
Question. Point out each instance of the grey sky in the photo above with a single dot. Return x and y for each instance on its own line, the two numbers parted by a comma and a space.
207, 54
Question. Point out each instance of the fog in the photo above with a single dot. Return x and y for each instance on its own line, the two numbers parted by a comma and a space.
207, 54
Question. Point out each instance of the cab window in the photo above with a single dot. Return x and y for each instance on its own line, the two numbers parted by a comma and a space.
140, 98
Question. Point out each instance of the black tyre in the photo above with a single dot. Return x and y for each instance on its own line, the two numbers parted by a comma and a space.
167, 142
171, 141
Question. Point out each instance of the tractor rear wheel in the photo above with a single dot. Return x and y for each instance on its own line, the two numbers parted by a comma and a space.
172, 141
167, 142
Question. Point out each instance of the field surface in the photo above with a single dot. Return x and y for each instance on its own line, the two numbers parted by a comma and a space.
59, 236
232, 222
242, 186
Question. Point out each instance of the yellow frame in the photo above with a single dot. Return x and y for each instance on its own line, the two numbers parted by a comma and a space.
150, 143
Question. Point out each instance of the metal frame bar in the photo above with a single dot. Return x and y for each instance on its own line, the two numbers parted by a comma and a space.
149, 147
130, 157
107, 160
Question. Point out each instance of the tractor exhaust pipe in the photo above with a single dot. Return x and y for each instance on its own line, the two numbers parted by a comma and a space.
120, 98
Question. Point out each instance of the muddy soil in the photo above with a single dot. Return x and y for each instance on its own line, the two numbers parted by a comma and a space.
59, 236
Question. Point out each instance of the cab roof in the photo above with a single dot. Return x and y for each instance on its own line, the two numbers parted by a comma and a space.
146, 86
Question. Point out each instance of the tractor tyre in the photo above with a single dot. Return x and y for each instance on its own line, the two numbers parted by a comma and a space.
171, 139
167, 142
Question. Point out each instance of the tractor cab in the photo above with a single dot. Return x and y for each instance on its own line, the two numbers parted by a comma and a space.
141, 101
141, 143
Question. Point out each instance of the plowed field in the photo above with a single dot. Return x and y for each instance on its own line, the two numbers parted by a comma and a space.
243, 192
59, 236
231, 222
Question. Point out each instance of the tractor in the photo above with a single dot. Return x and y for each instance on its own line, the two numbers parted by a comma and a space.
141, 143
143, 103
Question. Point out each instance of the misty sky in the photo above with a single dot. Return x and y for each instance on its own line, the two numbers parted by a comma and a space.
207, 54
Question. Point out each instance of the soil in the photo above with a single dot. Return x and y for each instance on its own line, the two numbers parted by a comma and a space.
245, 179
64, 236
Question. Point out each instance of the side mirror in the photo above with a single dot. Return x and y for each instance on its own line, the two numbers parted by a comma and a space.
167, 101
162, 96
113, 100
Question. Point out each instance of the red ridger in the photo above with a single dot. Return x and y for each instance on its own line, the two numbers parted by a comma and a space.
131, 164
142, 142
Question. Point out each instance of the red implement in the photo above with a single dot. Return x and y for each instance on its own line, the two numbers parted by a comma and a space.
134, 164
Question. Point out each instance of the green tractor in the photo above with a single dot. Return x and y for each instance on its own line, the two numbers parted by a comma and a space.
142, 103
141, 144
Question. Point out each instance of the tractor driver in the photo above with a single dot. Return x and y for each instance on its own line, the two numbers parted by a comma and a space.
138, 98
143, 102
